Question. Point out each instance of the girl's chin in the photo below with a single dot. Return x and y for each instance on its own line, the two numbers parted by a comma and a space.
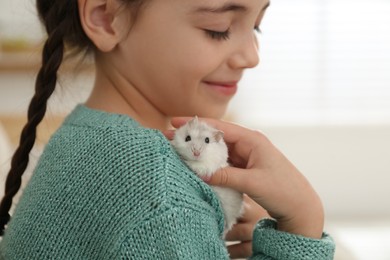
212, 112
209, 109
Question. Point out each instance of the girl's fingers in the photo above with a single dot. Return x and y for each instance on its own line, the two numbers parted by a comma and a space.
253, 212
240, 250
240, 232
169, 134
243, 230
179, 121
235, 178
241, 141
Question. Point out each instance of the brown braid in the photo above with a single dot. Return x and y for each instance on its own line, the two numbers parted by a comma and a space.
62, 23
52, 56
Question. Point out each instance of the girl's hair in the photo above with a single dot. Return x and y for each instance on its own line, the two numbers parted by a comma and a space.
64, 32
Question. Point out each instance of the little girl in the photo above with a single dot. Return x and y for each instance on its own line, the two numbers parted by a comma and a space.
110, 186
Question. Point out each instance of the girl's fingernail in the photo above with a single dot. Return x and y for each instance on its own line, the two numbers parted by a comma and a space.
206, 178
169, 134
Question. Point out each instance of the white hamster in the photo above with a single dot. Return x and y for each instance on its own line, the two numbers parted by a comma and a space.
203, 149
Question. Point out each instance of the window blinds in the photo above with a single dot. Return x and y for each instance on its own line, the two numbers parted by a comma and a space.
322, 62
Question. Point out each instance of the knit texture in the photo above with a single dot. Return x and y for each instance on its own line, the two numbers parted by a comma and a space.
281, 245
107, 188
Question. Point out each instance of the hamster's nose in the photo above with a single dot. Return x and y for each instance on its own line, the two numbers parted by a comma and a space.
196, 153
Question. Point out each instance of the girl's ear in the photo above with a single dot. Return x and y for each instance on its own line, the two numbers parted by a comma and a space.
98, 18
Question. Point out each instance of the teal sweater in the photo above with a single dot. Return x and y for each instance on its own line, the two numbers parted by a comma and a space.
107, 188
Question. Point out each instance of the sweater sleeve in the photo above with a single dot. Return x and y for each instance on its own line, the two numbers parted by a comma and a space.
269, 243
178, 233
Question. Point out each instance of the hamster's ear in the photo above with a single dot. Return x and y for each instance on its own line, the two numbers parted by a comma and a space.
218, 135
193, 121
99, 21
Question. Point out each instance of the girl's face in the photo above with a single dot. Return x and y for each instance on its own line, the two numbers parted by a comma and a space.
187, 57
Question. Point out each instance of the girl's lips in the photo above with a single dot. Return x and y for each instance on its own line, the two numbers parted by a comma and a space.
225, 88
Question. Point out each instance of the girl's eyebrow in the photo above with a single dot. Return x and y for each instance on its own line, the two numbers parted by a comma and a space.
227, 7
222, 9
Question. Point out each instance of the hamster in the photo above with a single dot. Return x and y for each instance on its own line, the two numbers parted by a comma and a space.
203, 149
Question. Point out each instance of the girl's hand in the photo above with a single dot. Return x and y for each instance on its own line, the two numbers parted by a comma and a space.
262, 172
242, 232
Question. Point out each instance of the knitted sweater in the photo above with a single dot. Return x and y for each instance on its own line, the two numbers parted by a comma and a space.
107, 188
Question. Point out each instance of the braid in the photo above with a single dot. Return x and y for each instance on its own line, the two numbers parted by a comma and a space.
62, 22
52, 57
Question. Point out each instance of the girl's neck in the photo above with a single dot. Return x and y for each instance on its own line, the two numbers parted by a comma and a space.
114, 94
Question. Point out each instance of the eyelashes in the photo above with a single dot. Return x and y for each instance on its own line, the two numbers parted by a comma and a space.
216, 35
225, 35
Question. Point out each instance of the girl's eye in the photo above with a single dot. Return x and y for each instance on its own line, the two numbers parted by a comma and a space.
225, 35
207, 140
188, 138
218, 35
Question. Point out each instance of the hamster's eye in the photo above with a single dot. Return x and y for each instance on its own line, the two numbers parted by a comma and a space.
188, 138
207, 140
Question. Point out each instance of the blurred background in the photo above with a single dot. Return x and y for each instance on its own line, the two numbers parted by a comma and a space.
321, 93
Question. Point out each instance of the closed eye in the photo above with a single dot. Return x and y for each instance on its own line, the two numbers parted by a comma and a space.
225, 35
217, 35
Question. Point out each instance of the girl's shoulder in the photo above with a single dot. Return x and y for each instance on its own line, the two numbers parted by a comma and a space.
109, 134
138, 161
109, 141
100, 177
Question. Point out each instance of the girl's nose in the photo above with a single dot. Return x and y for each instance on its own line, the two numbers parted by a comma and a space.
246, 53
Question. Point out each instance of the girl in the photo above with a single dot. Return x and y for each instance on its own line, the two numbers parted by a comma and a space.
109, 185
